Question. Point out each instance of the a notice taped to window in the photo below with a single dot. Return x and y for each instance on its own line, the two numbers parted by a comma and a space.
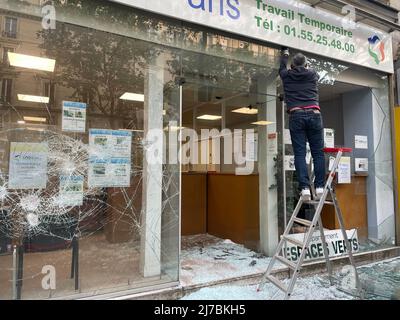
28, 165
74, 116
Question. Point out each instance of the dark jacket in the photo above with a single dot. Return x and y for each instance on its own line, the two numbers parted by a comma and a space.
300, 85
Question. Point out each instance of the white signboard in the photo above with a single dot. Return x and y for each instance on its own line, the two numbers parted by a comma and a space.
272, 143
251, 147
74, 116
344, 170
287, 139
285, 22
289, 163
329, 138
361, 164
361, 142
28, 165
71, 191
110, 158
335, 243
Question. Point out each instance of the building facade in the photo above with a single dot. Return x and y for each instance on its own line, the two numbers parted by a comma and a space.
127, 125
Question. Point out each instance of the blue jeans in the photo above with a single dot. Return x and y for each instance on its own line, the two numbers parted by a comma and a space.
306, 125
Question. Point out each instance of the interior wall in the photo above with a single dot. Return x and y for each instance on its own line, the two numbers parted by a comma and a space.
332, 112
360, 118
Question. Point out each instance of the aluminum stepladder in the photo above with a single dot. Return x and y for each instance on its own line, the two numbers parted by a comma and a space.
316, 222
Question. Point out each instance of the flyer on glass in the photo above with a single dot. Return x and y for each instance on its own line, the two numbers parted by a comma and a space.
329, 138
344, 170
110, 158
71, 191
28, 165
74, 116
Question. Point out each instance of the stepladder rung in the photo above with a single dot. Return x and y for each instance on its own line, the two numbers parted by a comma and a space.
293, 241
277, 283
286, 262
316, 202
303, 222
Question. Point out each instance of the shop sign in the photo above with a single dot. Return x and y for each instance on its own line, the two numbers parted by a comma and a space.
289, 23
335, 243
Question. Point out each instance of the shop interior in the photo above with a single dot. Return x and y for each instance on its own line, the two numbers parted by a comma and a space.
96, 247
218, 202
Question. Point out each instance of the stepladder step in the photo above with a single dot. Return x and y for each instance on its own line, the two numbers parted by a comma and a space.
287, 262
293, 241
303, 222
316, 202
277, 283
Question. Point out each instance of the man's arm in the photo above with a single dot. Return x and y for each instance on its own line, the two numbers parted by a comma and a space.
283, 71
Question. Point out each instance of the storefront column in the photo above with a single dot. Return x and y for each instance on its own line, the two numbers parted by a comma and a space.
266, 167
150, 262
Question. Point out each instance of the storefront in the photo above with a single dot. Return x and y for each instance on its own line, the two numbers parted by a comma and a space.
125, 125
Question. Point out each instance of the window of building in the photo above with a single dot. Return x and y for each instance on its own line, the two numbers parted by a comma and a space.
99, 201
6, 50
49, 90
10, 30
6, 90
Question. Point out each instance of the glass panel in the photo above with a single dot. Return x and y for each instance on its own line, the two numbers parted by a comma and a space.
356, 114
84, 204
229, 134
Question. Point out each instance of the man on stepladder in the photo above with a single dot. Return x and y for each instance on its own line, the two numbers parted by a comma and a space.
305, 120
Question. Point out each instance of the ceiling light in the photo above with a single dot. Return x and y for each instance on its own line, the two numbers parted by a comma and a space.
132, 130
35, 119
263, 123
246, 110
31, 62
28, 98
132, 97
209, 117
21, 122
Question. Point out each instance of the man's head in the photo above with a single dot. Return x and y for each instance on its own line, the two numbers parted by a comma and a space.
299, 60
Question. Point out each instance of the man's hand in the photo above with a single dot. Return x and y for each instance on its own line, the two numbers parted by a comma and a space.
285, 51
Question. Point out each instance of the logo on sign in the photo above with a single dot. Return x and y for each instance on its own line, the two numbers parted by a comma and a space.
376, 49
223, 7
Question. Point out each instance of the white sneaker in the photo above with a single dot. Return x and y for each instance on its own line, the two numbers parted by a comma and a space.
319, 193
305, 195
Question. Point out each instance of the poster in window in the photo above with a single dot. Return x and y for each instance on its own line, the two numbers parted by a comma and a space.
344, 170
286, 136
272, 146
71, 191
28, 165
329, 138
361, 164
110, 158
289, 163
251, 147
74, 116
361, 142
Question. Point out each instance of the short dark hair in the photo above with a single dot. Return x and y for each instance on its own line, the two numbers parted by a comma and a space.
299, 60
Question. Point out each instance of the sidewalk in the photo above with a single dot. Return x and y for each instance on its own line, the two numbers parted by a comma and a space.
216, 269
